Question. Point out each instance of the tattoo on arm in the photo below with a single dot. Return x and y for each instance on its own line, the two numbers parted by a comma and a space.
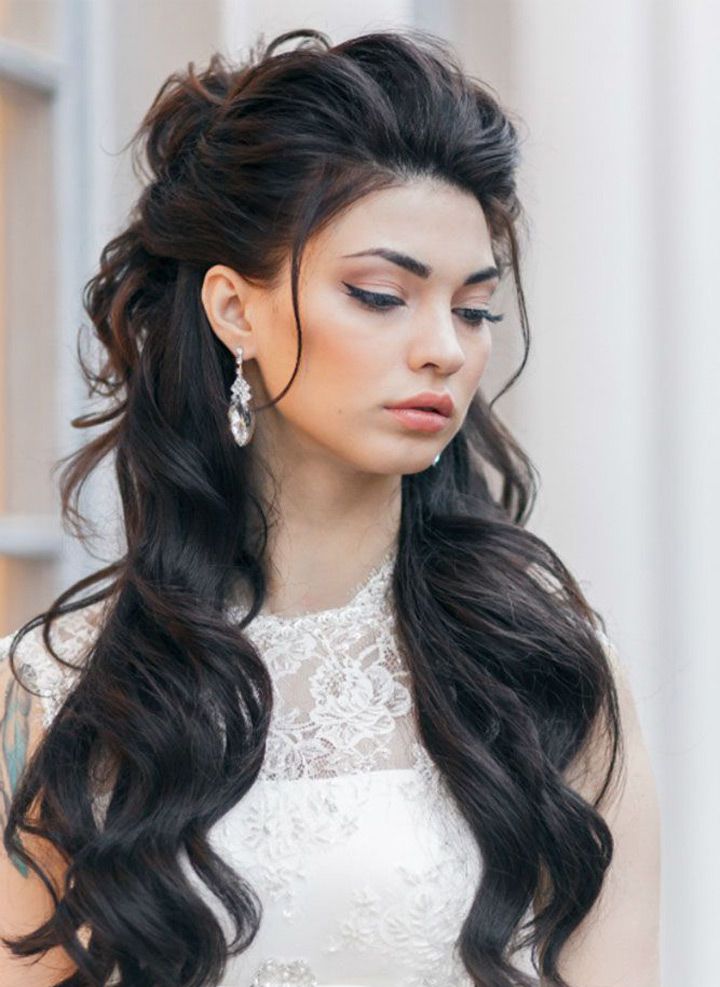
14, 734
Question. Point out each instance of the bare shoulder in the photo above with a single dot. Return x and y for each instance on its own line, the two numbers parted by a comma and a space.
587, 774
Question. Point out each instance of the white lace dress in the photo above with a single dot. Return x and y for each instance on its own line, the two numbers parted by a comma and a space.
363, 864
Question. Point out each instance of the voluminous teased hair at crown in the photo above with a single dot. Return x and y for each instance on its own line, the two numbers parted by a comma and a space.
510, 679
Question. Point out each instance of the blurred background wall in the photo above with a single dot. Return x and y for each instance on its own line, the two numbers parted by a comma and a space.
618, 104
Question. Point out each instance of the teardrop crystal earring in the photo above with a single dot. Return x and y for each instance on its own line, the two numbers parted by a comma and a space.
436, 460
240, 414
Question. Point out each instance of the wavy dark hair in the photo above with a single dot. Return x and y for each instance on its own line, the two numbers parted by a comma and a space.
510, 679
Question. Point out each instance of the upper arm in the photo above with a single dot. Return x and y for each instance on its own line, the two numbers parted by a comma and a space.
618, 942
25, 902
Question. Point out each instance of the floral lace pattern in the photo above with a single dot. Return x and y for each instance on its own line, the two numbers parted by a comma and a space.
339, 686
306, 846
280, 827
71, 636
417, 930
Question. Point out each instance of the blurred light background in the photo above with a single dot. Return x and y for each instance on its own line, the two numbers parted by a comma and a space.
618, 407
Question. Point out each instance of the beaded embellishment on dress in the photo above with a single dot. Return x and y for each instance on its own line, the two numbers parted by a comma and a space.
274, 973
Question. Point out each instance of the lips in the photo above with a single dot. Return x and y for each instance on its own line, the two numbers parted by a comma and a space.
428, 401
420, 421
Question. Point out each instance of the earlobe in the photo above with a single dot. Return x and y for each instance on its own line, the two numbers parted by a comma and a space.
223, 299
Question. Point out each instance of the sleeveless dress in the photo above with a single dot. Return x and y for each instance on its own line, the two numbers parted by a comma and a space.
363, 864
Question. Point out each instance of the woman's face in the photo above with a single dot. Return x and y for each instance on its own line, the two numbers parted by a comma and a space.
357, 360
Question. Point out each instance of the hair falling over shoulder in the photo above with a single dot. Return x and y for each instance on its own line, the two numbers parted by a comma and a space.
242, 164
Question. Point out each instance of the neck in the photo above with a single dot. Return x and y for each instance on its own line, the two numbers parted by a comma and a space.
326, 536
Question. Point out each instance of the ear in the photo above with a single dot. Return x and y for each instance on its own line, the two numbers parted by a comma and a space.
225, 296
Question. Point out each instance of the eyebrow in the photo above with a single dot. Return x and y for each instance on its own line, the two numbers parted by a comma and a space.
419, 268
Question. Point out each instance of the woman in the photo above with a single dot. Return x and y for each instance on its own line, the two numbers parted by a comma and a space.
335, 717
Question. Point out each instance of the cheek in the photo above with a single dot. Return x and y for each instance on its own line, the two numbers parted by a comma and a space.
478, 355
470, 376
339, 348
342, 370
334, 348
329, 350
277, 348
339, 360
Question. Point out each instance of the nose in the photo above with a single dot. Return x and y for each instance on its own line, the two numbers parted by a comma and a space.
434, 340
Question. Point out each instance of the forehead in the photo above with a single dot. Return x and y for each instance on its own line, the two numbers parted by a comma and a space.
437, 222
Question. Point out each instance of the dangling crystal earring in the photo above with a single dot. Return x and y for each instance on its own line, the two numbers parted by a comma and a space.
436, 460
240, 415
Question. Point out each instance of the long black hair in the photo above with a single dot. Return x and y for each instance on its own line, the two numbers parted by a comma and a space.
510, 679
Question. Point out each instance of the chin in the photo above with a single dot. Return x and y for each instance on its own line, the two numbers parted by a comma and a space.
405, 465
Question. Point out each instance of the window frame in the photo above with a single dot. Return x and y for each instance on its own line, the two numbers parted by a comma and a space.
59, 75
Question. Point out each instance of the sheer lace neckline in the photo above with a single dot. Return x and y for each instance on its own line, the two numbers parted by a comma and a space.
372, 587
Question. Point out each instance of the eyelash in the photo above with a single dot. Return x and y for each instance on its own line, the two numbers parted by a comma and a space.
373, 300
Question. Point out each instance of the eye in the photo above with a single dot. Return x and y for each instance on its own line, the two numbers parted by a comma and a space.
380, 302
474, 316
373, 299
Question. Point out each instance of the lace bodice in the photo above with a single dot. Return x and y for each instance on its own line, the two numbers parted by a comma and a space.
342, 695
364, 866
